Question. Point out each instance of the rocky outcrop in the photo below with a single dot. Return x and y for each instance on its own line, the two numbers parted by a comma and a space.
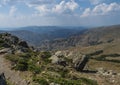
12, 42
24, 44
58, 59
2, 79
79, 60
81, 63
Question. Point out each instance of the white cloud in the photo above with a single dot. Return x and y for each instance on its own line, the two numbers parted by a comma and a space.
87, 12
102, 9
12, 11
65, 7
42, 9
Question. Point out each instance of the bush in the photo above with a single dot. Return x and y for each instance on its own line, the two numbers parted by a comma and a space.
12, 58
45, 57
22, 65
35, 69
41, 81
89, 81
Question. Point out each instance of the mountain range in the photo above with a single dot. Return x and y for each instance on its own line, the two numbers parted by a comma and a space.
35, 35
53, 37
86, 56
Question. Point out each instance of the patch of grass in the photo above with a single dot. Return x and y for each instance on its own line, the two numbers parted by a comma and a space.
64, 81
41, 81
21, 65
34, 68
89, 81
9, 82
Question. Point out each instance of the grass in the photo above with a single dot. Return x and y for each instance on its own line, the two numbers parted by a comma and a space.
64, 81
9, 82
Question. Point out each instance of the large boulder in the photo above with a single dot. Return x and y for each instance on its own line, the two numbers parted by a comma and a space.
59, 59
2, 79
80, 63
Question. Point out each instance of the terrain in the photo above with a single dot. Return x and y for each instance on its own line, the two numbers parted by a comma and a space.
88, 57
35, 35
22, 65
88, 37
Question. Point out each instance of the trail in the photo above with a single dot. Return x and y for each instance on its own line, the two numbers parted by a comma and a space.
12, 75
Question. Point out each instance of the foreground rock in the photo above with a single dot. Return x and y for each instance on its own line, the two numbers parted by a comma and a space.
2, 79
79, 61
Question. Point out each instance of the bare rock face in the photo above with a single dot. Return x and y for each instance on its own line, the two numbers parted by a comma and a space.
14, 43
79, 60
81, 63
58, 58
2, 79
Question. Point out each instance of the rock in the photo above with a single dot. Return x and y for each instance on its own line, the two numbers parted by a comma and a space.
80, 63
2, 79
58, 60
104, 72
54, 84
5, 50
23, 44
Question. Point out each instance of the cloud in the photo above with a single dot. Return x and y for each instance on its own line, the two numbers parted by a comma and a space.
86, 13
65, 7
12, 11
102, 9
42, 9
3, 2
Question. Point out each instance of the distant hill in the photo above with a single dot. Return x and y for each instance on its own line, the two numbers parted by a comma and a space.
88, 37
35, 35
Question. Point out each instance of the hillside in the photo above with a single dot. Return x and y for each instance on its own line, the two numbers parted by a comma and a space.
35, 35
91, 57
22, 65
93, 36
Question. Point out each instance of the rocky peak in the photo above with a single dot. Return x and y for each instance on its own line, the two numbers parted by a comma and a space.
14, 43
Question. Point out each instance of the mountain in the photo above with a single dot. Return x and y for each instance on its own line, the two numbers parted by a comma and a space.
89, 57
35, 35
21, 65
93, 36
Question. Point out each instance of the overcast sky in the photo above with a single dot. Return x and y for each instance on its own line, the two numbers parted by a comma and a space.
19, 13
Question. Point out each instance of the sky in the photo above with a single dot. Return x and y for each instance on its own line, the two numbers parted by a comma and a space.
89, 13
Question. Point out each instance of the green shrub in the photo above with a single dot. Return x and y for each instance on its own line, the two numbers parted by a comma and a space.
22, 65
45, 57
41, 81
88, 81
12, 58
35, 69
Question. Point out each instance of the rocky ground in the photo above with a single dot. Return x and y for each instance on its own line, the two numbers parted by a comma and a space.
11, 75
76, 66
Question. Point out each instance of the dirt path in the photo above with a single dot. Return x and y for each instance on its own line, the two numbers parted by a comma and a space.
12, 75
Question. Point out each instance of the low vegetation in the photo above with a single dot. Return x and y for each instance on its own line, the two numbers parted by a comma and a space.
38, 62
